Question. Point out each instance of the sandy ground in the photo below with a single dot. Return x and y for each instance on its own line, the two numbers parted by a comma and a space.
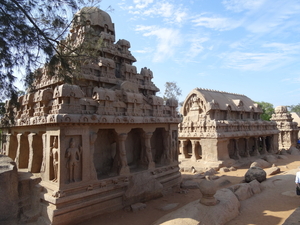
272, 206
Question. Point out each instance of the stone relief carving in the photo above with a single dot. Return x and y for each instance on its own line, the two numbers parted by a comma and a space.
73, 155
54, 153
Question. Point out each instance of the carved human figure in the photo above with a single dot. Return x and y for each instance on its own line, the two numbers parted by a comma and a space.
54, 154
73, 154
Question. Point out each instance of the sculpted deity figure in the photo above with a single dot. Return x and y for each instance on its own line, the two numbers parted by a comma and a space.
54, 154
73, 154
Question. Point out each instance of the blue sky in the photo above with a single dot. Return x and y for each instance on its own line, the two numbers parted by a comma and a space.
249, 47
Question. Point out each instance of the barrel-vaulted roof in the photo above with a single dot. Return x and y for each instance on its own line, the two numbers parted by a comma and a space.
208, 99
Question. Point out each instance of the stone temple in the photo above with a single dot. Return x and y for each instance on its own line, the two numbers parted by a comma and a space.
99, 144
219, 128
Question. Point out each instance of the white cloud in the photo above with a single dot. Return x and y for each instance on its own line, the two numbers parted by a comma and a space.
293, 48
167, 39
254, 61
170, 13
196, 47
144, 50
241, 5
216, 23
140, 4
274, 15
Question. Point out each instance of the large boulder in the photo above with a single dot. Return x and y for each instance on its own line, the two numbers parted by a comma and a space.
8, 190
142, 187
255, 173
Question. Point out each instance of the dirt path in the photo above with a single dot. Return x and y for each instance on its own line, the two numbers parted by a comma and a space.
269, 207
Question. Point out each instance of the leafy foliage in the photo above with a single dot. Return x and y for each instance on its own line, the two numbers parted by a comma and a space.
268, 110
294, 108
171, 91
30, 33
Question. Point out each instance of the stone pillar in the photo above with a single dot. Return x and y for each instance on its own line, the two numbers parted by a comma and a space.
147, 136
195, 155
271, 150
43, 166
183, 149
93, 172
31, 153
264, 146
256, 152
22, 155
247, 151
124, 170
11, 146
236, 148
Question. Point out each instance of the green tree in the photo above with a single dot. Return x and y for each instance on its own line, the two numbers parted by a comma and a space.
171, 91
294, 108
30, 33
268, 110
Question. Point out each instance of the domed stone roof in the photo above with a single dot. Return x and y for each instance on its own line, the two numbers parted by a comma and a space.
97, 17
281, 109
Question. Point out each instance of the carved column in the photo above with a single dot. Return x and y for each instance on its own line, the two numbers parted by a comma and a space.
183, 149
7, 146
147, 137
17, 159
44, 140
264, 146
256, 152
31, 153
247, 151
195, 155
271, 150
93, 173
124, 170
236, 148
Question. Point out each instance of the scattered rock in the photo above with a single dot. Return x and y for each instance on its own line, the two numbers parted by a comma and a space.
241, 191
210, 172
199, 176
294, 151
270, 158
260, 163
138, 206
255, 187
282, 157
273, 170
169, 206
283, 152
224, 183
183, 191
214, 177
189, 184
255, 173
232, 168
224, 169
